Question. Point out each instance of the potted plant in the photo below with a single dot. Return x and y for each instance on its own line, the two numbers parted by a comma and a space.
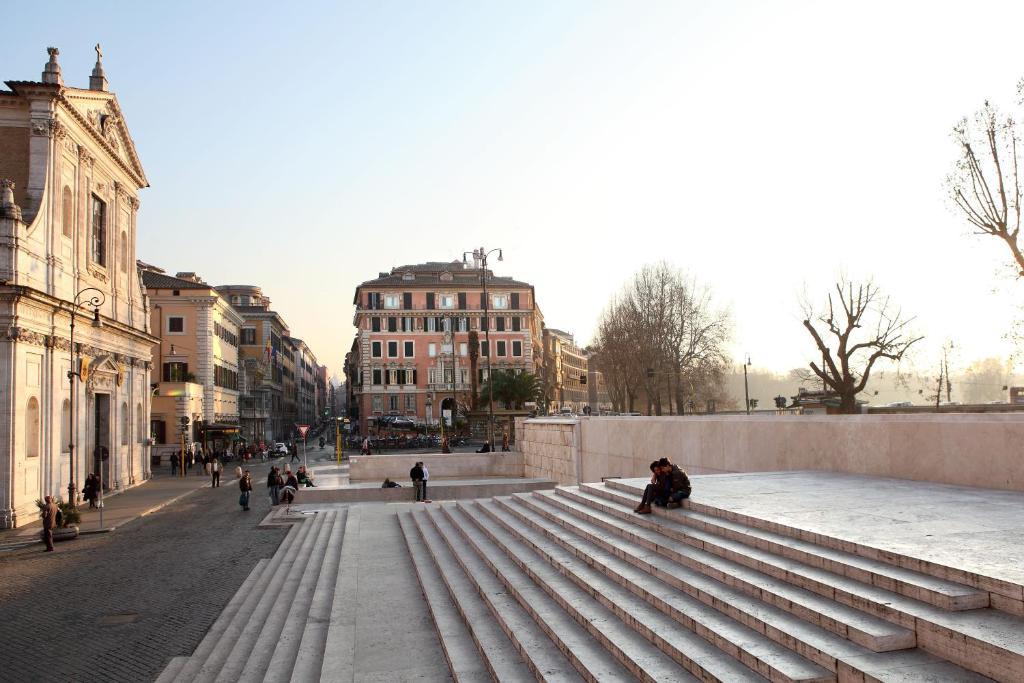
70, 519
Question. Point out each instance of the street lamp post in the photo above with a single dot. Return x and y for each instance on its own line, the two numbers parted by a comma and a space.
480, 254
95, 300
746, 389
455, 403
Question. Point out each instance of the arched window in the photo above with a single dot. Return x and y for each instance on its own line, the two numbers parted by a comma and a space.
65, 426
140, 424
124, 424
67, 218
124, 252
32, 428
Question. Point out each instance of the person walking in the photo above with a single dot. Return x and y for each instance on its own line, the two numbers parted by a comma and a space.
175, 462
416, 474
89, 492
245, 486
295, 454
215, 468
49, 515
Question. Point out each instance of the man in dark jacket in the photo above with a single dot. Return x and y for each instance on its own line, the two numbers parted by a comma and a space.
416, 474
652, 490
677, 485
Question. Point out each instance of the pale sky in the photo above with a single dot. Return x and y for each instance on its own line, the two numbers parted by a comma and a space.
762, 146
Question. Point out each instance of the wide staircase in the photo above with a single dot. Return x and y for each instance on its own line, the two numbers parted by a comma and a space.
275, 628
571, 584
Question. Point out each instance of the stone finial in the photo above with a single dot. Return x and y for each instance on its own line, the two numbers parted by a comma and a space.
98, 80
51, 72
8, 209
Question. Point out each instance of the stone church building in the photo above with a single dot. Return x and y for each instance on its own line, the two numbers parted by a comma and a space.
68, 207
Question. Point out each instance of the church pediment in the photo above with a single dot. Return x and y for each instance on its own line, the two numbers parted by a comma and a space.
101, 114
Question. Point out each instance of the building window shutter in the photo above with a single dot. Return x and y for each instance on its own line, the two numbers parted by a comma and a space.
430, 301
392, 324
407, 301
516, 324
414, 376
483, 300
515, 300
375, 324
462, 301
484, 325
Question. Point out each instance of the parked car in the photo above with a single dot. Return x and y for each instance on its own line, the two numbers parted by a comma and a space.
279, 449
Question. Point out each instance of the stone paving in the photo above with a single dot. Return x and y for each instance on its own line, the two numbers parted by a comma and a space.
117, 607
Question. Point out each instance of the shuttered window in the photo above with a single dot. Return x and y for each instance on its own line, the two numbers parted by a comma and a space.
515, 300
430, 301
407, 301
517, 324
462, 301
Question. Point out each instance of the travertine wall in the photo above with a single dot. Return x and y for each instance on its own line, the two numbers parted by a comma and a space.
461, 465
971, 450
548, 448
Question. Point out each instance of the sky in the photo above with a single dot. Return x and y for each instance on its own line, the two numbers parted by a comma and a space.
764, 148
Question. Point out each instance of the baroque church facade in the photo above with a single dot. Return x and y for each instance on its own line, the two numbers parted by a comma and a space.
68, 225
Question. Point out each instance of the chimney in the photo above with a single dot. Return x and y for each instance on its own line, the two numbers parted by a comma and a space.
98, 80
51, 72
190, 276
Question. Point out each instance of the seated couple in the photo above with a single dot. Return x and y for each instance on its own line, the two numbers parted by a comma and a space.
668, 488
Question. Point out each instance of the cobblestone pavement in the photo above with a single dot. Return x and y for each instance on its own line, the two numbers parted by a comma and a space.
117, 607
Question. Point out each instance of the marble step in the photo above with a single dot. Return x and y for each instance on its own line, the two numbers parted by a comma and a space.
172, 669
524, 570
278, 664
211, 652
706, 636
228, 660
549, 629
735, 580
636, 568
912, 584
473, 641
982, 640
1004, 594
313, 642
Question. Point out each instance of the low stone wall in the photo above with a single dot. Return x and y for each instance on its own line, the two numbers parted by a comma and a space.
971, 450
465, 465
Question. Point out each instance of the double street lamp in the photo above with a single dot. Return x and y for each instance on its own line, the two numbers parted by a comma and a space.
94, 298
480, 256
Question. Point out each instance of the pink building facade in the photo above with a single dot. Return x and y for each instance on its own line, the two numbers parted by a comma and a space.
411, 356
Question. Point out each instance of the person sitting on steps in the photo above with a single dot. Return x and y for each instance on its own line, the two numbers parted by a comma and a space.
651, 490
677, 488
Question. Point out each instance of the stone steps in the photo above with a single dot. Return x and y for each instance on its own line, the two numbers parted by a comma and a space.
475, 646
841, 656
1003, 594
983, 640
557, 648
263, 628
646, 607
945, 594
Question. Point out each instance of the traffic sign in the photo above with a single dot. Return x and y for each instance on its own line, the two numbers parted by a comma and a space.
302, 430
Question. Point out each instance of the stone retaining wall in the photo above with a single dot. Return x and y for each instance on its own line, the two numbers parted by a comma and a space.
972, 450
465, 465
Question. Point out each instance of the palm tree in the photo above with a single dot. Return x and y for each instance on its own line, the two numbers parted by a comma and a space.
512, 389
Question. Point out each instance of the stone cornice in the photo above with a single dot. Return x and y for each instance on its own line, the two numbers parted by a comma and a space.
97, 136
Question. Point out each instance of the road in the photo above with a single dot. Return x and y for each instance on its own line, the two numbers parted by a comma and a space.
118, 606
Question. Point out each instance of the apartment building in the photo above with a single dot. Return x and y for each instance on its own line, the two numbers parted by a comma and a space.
411, 356
567, 366
196, 373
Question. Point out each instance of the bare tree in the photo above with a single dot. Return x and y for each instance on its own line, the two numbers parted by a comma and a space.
660, 339
985, 183
866, 327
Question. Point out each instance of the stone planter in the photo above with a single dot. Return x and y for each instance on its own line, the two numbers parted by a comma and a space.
65, 534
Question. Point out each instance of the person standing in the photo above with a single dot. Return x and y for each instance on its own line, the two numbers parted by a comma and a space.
49, 515
175, 462
274, 485
426, 476
416, 474
504, 443
89, 491
215, 471
245, 486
